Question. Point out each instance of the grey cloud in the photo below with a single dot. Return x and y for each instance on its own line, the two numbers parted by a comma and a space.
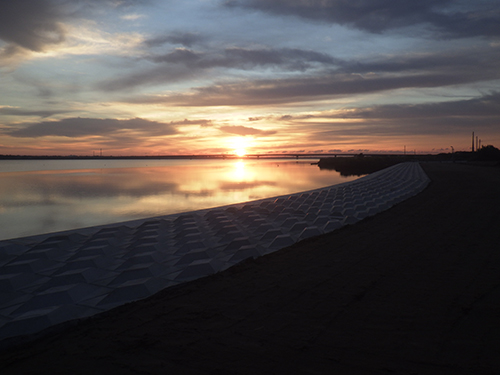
486, 61
31, 24
154, 76
203, 123
241, 58
350, 78
487, 106
427, 118
10, 53
182, 63
9, 111
36, 25
291, 118
183, 38
293, 59
269, 92
379, 15
80, 127
471, 23
244, 130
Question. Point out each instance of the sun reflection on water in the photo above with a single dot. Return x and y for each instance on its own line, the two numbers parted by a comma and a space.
239, 171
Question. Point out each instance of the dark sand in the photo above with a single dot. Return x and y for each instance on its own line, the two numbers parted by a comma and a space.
413, 290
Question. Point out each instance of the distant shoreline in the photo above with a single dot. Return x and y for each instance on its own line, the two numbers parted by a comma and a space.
208, 156
136, 157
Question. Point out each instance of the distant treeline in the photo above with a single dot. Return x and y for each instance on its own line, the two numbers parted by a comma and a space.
362, 164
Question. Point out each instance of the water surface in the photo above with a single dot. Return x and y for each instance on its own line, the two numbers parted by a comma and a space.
42, 196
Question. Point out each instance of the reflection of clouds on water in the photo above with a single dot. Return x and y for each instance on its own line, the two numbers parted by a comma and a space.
54, 187
52, 200
198, 193
29, 202
89, 185
243, 185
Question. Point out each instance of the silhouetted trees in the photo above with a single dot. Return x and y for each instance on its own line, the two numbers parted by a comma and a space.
487, 153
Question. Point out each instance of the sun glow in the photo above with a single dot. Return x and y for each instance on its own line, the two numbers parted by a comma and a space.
240, 152
239, 146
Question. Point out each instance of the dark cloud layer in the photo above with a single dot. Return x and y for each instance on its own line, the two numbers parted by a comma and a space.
31, 24
346, 78
81, 127
182, 64
444, 118
270, 92
37, 24
487, 106
379, 15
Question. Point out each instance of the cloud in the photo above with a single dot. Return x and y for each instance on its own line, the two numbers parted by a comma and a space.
486, 106
12, 111
184, 64
283, 91
132, 17
185, 39
31, 24
484, 59
201, 122
84, 127
11, 54
155, 76
443, 118
241, 58
448, 17
38, 25
346, 78
257, 118
244, 130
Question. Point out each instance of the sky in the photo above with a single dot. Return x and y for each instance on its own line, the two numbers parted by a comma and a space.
156, 77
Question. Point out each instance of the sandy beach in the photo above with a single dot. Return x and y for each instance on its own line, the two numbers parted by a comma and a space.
412, 290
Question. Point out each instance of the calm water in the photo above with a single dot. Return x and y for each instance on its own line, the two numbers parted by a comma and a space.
45, 196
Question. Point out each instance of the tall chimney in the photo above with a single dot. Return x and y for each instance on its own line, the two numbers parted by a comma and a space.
472, 141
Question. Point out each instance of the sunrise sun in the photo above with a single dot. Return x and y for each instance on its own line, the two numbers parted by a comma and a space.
240, 152
239, 145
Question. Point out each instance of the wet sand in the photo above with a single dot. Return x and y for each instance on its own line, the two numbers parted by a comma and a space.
412, 290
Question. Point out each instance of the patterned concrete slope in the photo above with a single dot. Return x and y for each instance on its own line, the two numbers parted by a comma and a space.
49, 279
